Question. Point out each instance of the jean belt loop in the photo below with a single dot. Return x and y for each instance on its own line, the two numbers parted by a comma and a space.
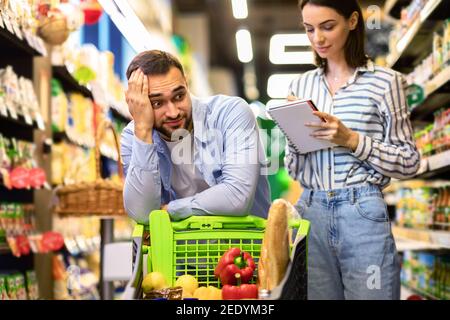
310, 195
353, 196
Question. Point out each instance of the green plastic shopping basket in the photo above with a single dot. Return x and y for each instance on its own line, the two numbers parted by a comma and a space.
194, 246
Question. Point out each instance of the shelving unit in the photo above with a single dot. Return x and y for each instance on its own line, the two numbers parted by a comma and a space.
26, 56
415, 43
106, 231
435, 165
69, 83
411, 49
437, 93
393, 7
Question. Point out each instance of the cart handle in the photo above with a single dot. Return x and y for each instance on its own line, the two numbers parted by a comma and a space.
220, 222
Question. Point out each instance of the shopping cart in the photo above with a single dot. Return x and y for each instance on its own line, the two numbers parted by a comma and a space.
194, 246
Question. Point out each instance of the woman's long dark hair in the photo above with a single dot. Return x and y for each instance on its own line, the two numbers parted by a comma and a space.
355, 54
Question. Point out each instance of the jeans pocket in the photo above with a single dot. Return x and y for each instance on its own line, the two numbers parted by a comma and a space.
372, 208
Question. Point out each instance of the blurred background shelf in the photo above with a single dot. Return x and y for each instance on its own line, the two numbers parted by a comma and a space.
437, 94
13, 46
434, 238
69, 83
415, 43
417, 291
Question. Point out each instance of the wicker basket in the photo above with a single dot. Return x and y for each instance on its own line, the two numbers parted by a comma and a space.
99, 198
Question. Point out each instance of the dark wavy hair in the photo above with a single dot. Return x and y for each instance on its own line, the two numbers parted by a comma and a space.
355, 53
154, 62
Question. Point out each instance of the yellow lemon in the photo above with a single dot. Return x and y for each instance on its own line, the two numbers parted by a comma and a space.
201, 293
154, 281
187, 282
214, 293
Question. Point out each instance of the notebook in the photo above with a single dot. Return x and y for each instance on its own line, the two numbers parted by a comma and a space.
291, 117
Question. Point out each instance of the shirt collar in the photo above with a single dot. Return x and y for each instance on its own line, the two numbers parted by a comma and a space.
368, 67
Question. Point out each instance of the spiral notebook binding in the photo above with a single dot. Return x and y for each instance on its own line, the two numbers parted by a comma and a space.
286, 136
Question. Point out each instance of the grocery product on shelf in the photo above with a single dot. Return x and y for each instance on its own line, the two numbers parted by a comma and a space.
81, 234
424, 205
18, 168
71, 163
72, 114
17, 223
20, 19
18, 286
74, 278
435, 137
18, 98
94, 69
427, 272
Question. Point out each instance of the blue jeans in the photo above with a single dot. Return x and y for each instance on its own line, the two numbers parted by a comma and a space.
351, 250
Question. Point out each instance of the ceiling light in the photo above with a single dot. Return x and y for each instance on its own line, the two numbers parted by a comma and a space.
240, 10
279, 55
244, 45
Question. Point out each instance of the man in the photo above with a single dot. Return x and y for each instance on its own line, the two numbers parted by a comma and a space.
186, 155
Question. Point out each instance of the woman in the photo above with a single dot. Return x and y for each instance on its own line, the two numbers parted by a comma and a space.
352, 254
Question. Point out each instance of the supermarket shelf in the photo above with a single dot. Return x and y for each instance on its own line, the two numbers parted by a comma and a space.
434, 165
434, 239
394, 7
13, 46
64, 136
104, 149
437, 95
419, 292
16, 195
21, 264
415, 43
404, 244
119, 115
69, 83
21, 129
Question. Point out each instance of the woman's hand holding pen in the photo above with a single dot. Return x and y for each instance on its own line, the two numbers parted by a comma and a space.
334, 130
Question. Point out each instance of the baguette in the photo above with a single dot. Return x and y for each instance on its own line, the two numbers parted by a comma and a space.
274, 256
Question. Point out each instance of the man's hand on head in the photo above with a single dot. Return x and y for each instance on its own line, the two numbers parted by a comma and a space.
139, 105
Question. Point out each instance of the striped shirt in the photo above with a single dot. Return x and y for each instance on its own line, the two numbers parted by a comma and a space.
373, 104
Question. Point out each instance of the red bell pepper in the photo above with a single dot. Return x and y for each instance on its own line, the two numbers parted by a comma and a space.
241, 291
235, 261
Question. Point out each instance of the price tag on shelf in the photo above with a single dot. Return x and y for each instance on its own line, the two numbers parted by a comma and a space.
12, 112
40, 46
28, 119
3, 108
17, 29
28, 37
7, 23
39, 121
71, 245
81, 242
